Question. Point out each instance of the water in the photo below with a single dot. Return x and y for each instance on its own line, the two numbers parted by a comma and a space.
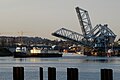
89, 67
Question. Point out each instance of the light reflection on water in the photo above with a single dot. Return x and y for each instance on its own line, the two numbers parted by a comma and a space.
88, 66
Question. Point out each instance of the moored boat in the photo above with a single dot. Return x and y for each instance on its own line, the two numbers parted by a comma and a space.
37, 52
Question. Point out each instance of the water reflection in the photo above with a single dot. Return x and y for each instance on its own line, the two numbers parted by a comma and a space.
36, 60
19, 59
102, 59
66, 59
88, 66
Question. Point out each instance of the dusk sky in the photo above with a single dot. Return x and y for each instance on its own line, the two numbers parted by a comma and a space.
42, 17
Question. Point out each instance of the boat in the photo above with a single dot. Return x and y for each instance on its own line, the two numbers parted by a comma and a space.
73, 54
36, 52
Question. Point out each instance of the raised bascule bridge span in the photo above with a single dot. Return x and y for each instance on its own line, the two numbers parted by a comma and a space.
72, 36
100, 36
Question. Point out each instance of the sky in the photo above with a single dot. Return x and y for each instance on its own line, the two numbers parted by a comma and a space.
40, 18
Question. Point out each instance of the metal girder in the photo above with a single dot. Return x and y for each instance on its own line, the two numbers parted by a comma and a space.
99, 35
103, 35
102, 30
84, 21
71, 35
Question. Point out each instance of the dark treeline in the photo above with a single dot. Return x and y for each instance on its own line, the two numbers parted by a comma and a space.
12, 41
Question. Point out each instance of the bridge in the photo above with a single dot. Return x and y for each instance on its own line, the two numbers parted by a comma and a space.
99, 36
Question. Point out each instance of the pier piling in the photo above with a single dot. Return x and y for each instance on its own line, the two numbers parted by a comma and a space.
51, 73
18, 73
72, 74
41, 73
106, 74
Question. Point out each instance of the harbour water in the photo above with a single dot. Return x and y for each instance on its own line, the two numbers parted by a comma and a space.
89, 67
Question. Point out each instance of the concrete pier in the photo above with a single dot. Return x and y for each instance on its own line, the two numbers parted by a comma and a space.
51, 73
106, 74
41, 73
72, 74
18, 73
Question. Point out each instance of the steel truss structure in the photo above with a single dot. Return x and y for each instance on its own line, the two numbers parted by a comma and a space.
99, 36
